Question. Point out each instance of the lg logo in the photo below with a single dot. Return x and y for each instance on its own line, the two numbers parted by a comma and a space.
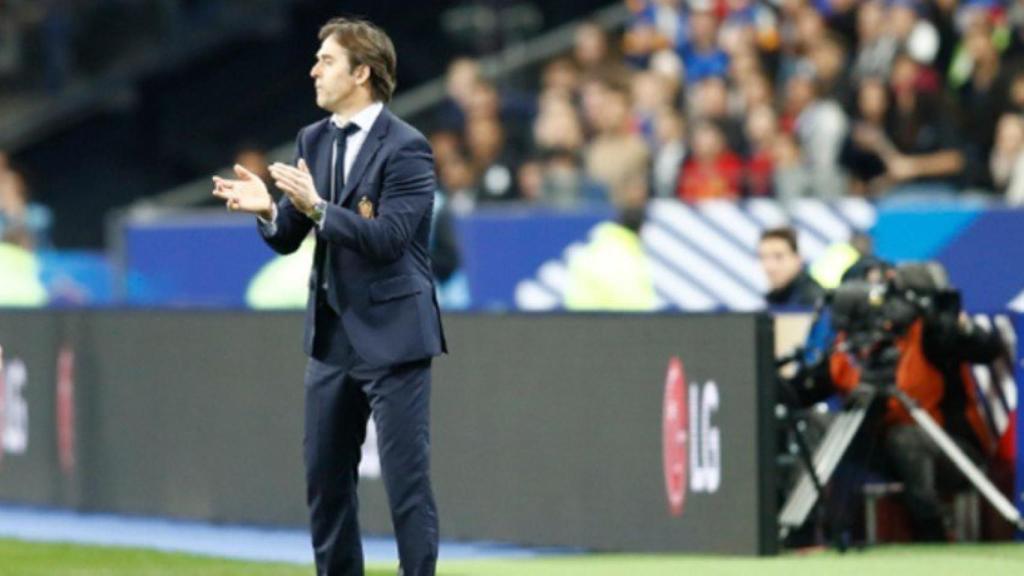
691, 443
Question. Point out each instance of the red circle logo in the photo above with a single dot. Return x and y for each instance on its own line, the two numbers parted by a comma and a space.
674, 436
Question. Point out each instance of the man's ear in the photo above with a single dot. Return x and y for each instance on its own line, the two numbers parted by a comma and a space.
361, 74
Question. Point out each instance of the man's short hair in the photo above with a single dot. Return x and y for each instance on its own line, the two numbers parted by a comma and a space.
366, 44
785, 233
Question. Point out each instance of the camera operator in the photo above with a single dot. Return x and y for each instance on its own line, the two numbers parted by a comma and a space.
916, 338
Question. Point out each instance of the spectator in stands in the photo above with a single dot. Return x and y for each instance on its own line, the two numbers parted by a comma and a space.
445, 143
983, 99
713, 171
1015, 93
656, 26
791, 179
1015, 23
593, 92
651, 93
912, 32
669, 151
749, 24
841, 17
866, 144
21, 221
829, 58
592, 52
563, 183
710, 102
530, 179
484, 102
617, 157
510, 110
1007, 159
789, 283
458, 182
809, 28
927, 147
460, 82
759, 162
702, 55
560, 76
558, 126
669, 67
555, 175
942, 14
819, 124
876, 48
744, 64
803, 28
756, 90
493, 164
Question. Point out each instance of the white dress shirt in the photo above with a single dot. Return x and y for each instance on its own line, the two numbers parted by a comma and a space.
364, 119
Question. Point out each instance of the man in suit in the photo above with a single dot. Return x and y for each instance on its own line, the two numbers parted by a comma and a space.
363, 181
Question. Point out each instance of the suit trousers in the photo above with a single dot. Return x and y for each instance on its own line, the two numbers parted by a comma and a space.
341, 392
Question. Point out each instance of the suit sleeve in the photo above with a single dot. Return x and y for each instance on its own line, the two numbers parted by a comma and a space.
290, 226
407, 197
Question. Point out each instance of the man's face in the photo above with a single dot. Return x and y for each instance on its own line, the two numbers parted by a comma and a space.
781, 264
334, 78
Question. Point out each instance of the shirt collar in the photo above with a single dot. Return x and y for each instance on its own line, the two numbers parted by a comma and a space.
365, 118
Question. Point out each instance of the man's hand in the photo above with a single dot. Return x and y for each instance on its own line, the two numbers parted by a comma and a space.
297, 184
246, 194
901, 168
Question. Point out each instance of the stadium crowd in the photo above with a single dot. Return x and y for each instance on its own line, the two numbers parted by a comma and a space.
728, 99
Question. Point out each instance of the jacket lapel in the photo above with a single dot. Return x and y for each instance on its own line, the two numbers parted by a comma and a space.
373, 142
322, 166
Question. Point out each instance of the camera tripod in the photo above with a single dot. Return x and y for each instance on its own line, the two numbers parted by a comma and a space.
840, 435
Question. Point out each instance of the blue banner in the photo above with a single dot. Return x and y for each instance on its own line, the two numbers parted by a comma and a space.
703, 257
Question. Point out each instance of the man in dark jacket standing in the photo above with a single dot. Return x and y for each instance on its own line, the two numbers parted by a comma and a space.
363, 182
790, 284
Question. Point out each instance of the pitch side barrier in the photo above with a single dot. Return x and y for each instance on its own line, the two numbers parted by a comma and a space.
616, 432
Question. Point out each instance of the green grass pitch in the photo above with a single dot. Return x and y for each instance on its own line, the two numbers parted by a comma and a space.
31, 559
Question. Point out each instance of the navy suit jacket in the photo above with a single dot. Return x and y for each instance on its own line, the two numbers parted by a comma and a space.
380, 280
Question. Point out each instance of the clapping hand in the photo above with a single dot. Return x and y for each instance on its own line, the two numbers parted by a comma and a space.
246, 194
297, 184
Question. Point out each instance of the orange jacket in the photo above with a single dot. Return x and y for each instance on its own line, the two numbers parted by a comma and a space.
920, 379
915, 375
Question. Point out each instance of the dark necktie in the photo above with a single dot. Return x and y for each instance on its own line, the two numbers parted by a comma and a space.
322, 257
340, 144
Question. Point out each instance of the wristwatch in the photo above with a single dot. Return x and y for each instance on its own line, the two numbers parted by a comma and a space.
318, 212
